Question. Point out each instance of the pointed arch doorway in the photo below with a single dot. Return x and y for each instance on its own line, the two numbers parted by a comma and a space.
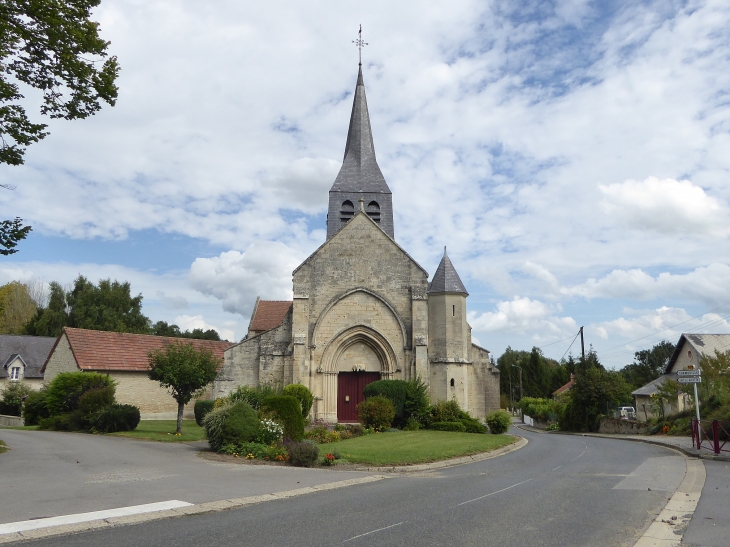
349, 393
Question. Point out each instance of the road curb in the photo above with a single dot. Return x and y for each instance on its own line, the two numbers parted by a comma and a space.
519, 443
197, 509
692, 453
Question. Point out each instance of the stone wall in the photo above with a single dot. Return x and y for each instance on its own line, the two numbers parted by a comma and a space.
153, 401
624, 427
61, 360
11, 421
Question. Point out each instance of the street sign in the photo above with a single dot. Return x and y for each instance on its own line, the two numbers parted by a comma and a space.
690, 380
688, 373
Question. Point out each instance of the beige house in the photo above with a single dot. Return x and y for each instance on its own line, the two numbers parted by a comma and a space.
363, 309
23, 358
122, 356
688, 354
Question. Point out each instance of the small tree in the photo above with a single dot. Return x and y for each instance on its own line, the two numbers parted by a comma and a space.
184, 371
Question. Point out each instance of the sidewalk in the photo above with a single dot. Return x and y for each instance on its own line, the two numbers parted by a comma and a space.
683, 444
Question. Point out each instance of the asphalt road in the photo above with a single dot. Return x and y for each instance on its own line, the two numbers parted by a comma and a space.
710, 527
557, 491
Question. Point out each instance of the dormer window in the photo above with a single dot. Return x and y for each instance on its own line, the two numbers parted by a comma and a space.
347, 211
15, 373
373, 211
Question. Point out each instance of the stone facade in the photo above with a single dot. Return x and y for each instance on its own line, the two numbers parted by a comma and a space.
362, 304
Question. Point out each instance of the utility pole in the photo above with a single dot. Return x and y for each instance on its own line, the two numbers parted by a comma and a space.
511, 397
519, 367
582, 346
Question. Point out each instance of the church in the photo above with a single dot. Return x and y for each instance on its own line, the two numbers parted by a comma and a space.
363, 309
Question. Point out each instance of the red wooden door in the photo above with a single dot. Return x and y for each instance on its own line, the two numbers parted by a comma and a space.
349, 393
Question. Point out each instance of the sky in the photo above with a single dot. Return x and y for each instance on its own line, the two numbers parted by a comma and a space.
573, 156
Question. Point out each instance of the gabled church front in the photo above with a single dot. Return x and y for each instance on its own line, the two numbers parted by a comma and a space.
363, 309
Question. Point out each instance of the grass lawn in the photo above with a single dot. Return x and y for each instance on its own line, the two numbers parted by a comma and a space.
164, 430
412, 447
20, 427
3, 447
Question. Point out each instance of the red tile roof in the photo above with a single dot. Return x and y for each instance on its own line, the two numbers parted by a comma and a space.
269, 314
100, 350
566, 387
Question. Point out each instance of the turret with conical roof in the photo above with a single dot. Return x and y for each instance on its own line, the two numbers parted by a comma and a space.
446, 280
360, 175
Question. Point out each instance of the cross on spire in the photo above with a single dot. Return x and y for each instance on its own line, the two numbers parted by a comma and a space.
360, 43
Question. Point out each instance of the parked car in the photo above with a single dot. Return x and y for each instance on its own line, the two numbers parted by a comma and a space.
627, 413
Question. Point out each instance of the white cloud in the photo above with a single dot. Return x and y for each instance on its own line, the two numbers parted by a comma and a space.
236, 279
191, 322
666, 206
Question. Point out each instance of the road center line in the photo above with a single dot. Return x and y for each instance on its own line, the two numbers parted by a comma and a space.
493, 493
578, 456
373, 531
558, 467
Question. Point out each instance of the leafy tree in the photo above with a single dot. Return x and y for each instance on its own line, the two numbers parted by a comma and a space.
648, 364
16, 308
184, 371
161, 328
50, 320
11, 231
52, 46
108, 306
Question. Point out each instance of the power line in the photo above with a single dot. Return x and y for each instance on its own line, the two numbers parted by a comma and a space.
570, 346
553, 343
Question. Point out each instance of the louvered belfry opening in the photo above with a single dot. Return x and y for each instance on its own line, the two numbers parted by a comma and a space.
360, 176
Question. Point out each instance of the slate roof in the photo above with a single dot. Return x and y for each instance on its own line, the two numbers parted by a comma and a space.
446, 279
118, 351
705, 345
360, 171
652, 387
33, 350
269, 314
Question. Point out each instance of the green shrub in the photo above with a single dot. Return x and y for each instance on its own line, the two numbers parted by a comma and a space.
70, 421
499, 421
34, 408
417, 404
376, 412
12, 399
288, 412
448, 426
254, 396
115, 418
412, 425
304, 454
201, 408
473, 425
213, 424
303, 395
396, 391
95, 400
241, 425
541, 409
318, 434
445, 411
270, 432
65, 390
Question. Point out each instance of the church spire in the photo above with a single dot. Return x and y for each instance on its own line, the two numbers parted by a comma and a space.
360, 175
446, 279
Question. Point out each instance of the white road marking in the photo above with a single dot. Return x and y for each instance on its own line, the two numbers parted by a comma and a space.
558, 467
26, 525
373, 531
492, 494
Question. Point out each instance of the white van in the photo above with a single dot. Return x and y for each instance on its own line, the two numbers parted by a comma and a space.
627, 413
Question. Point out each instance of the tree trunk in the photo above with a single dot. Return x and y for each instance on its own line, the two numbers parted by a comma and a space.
180, 407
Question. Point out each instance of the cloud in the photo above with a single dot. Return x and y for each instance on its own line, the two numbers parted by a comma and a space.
191, 322
236, 278
666, 206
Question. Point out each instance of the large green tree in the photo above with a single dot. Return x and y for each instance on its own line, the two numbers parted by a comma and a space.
183, 370
162, 328
54, 47
648, 364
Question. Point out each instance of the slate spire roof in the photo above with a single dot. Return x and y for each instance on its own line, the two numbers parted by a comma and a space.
446, 279
360, 171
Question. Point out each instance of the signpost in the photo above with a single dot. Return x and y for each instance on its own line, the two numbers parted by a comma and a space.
688, 373
692, 376
690, 380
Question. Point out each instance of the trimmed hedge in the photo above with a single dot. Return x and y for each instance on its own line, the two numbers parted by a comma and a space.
95, 400
289, 412
115, 418
448, 426
473, 425
253, 395
376, 412
303, 395
394, 390
201, 408
499, 421
213, 424
241, 425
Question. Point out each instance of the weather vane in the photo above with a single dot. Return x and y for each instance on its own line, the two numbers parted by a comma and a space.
360, 43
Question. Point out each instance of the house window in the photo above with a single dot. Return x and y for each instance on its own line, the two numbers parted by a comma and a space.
373, 211
15, 373
347, 211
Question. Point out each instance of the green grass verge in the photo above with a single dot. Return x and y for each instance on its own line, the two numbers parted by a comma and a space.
164, 430
20, 427
3, 447
413, 447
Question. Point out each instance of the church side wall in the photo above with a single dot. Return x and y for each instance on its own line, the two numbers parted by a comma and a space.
484, 397
240, 367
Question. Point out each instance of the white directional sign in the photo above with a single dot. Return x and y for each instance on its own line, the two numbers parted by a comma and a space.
690, 380
688, 373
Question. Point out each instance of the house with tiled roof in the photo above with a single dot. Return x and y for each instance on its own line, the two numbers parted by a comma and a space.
688, 354
124, 357
564, 388
23, 357
363, 309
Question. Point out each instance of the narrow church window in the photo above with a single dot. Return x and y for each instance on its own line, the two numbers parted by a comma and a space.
453, 310
452, 382
347, 211
373, 211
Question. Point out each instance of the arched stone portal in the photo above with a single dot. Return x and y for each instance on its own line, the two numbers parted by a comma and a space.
364, 355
